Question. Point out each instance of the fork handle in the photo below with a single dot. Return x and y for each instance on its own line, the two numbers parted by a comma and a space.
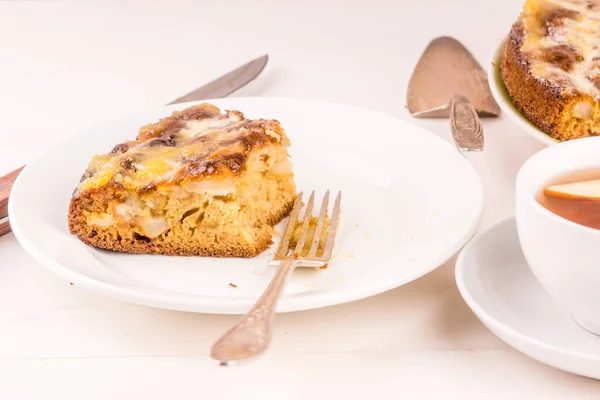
252, 335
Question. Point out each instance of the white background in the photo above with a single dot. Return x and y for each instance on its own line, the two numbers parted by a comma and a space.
64, 66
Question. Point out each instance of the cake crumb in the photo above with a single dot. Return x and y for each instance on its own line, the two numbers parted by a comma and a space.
71, 283
233, 285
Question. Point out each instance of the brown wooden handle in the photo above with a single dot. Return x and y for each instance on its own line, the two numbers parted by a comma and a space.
4, 228
6, 183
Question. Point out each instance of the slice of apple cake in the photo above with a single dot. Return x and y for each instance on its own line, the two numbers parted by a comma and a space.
199, 182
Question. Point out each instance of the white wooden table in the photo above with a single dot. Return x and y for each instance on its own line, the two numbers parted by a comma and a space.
63, 66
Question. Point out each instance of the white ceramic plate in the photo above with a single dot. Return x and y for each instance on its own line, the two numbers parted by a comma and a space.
496, 282
410, 202
505, 102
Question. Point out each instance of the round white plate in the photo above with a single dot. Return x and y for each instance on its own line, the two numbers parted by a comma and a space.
505, 102
410, 202
498, 285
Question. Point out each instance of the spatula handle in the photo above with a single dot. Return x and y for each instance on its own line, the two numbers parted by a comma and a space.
466, 127
6, 184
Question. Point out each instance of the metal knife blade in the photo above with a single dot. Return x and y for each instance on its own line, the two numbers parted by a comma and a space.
228, 83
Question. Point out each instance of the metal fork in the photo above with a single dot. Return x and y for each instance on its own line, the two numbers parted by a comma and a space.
252, 335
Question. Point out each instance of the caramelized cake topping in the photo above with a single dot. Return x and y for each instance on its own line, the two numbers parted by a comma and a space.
187, 147
561, 43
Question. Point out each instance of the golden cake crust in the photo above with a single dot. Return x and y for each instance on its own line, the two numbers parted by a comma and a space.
540, 101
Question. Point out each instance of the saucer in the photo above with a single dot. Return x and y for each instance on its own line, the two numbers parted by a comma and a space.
497, 284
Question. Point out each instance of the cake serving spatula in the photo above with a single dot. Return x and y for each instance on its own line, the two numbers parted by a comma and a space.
449, 82
220, 87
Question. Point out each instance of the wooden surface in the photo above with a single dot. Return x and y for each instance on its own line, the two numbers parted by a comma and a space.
68, 65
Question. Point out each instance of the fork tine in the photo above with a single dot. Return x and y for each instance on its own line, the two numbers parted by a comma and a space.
289, 229
305, 225
319, 229
332, 226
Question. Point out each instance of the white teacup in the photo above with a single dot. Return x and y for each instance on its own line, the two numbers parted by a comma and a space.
563, 255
